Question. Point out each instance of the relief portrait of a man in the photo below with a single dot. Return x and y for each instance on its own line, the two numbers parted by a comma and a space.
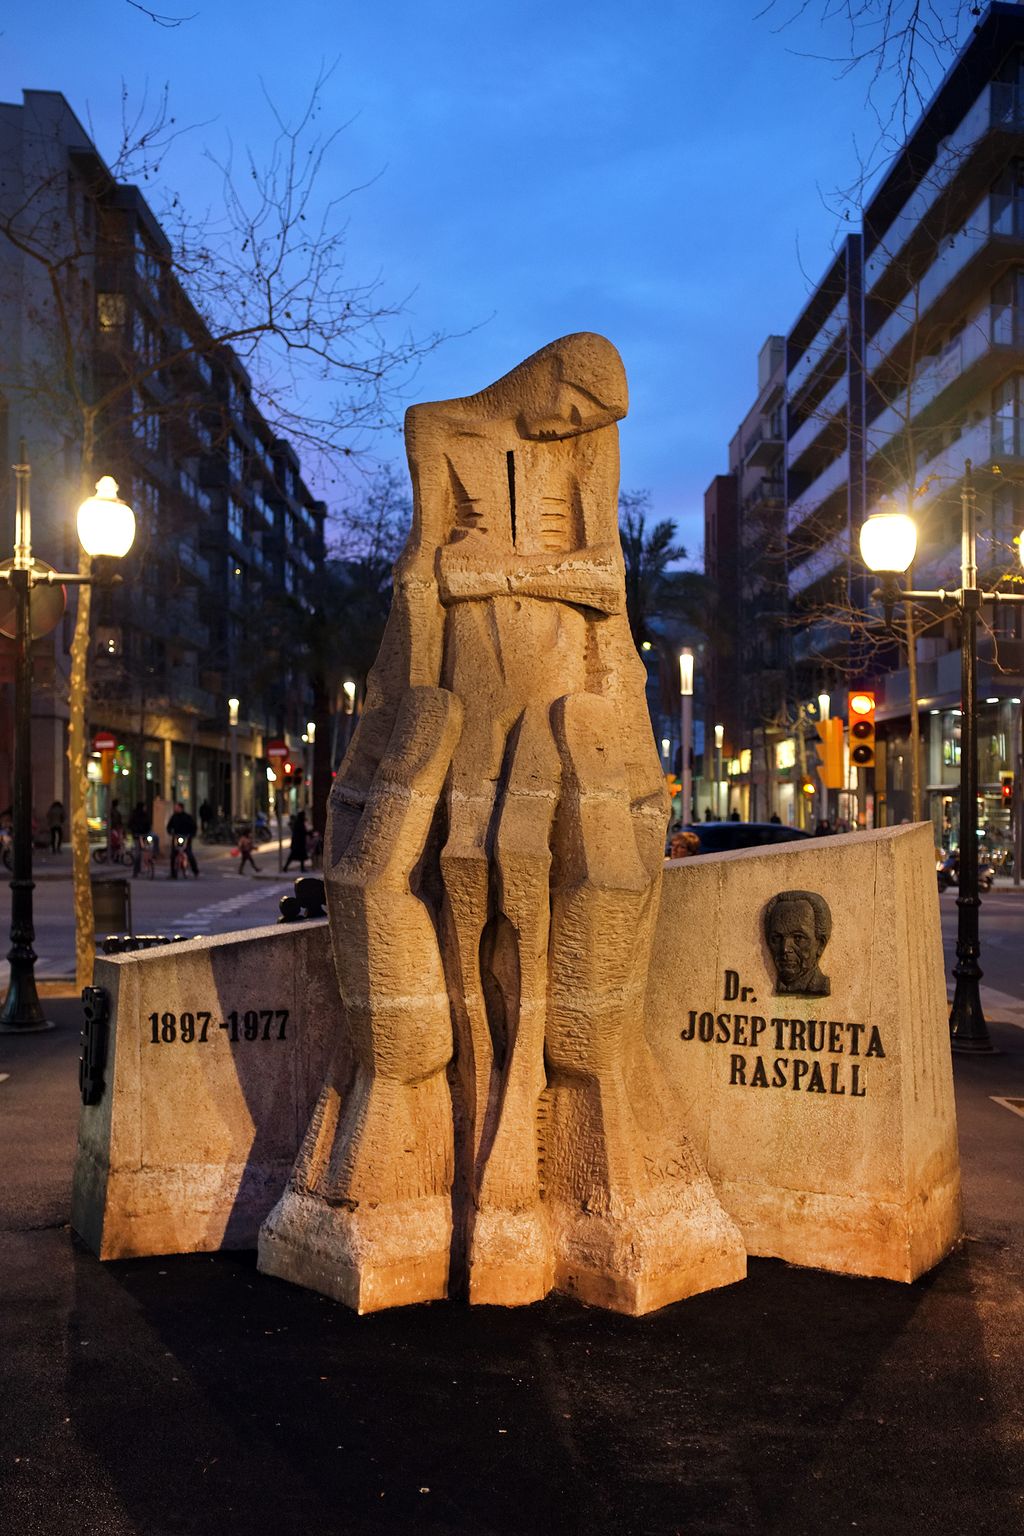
797, 926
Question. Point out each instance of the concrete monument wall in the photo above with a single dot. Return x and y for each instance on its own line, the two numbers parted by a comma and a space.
825, 1116
217, 1049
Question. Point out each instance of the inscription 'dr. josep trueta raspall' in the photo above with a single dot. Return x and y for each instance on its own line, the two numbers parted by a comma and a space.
796, 926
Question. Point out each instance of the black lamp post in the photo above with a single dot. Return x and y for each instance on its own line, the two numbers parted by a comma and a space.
888, 544
32, 602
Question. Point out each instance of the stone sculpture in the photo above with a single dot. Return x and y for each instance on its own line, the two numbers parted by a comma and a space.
494, 1121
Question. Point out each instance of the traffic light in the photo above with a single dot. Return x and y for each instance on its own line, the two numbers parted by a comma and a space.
1006, 784
862, 729
830, 770
673, 785
808, 788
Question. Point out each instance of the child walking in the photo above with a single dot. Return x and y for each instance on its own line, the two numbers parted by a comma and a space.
245, 849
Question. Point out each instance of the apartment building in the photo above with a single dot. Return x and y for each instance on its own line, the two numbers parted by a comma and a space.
744, 551
99, 338
907, 361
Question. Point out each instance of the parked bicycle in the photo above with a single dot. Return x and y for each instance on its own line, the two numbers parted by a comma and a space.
114, 852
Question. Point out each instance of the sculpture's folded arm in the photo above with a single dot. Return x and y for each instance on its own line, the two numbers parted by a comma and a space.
472, 568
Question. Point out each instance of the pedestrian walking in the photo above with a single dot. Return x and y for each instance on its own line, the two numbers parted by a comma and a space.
182, 825
245, 846
298, 848
140, 824
55, 822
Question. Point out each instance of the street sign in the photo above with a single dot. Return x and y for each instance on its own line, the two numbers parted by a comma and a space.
277, 749
104, 741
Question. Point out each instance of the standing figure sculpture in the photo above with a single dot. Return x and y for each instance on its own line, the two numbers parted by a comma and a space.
494, 1121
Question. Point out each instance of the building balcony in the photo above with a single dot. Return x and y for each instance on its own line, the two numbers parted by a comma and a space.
992, 440
184, 693
194, 563
821, 641
990, 237
1000, 664
821, 563
999, 108
763, 446
969, 365
817, 352
818, 492
823, 414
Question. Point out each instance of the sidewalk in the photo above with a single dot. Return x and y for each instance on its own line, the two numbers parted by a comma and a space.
193, 1395
215, 856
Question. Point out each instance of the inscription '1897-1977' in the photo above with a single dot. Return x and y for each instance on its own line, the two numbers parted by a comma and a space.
194, 1027
820, 1037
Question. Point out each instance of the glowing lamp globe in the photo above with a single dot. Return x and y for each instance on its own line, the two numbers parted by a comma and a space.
888, 542
106, 524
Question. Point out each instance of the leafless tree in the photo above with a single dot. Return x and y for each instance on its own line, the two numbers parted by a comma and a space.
263, 275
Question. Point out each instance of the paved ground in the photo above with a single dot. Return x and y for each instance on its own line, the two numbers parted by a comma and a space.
191, 1395
220, 901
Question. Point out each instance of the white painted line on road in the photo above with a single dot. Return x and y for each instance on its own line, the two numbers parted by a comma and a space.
1015, 1106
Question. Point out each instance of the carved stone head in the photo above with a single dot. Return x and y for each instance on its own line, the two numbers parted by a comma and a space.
797, 926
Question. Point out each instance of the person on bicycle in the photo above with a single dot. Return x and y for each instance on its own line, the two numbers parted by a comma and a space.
140, 824
182, 825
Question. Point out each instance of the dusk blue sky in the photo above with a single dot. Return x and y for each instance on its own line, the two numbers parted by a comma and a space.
660, 173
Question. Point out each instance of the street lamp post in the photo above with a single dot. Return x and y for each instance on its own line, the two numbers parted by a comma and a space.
719, 740
685, 734
106, 527
234, 808
888, 543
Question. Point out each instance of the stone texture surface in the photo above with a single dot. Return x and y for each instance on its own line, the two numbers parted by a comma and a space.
193, 1139
853, 1166
494, 860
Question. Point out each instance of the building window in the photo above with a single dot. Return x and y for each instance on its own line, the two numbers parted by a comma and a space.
111, 311
1007, 414
1008, 309
1008, 200
236, 520
145, 340
236, 458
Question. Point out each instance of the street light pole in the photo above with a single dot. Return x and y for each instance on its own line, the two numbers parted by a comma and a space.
888, 544
719, 740
22, 1011
685, 735
106, 527
967, 1019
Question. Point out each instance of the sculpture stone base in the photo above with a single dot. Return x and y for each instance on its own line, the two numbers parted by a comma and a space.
369, 1259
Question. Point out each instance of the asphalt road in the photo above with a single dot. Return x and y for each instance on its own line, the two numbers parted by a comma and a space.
192, 1395
219, 901
1001, 925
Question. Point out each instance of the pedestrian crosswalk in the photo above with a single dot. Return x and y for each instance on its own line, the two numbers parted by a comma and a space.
211, 917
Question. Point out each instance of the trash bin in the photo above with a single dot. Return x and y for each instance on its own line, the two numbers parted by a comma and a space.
112, 905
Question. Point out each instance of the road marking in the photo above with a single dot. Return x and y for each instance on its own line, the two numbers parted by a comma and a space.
1015, 1106
4, 1076
201, 918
